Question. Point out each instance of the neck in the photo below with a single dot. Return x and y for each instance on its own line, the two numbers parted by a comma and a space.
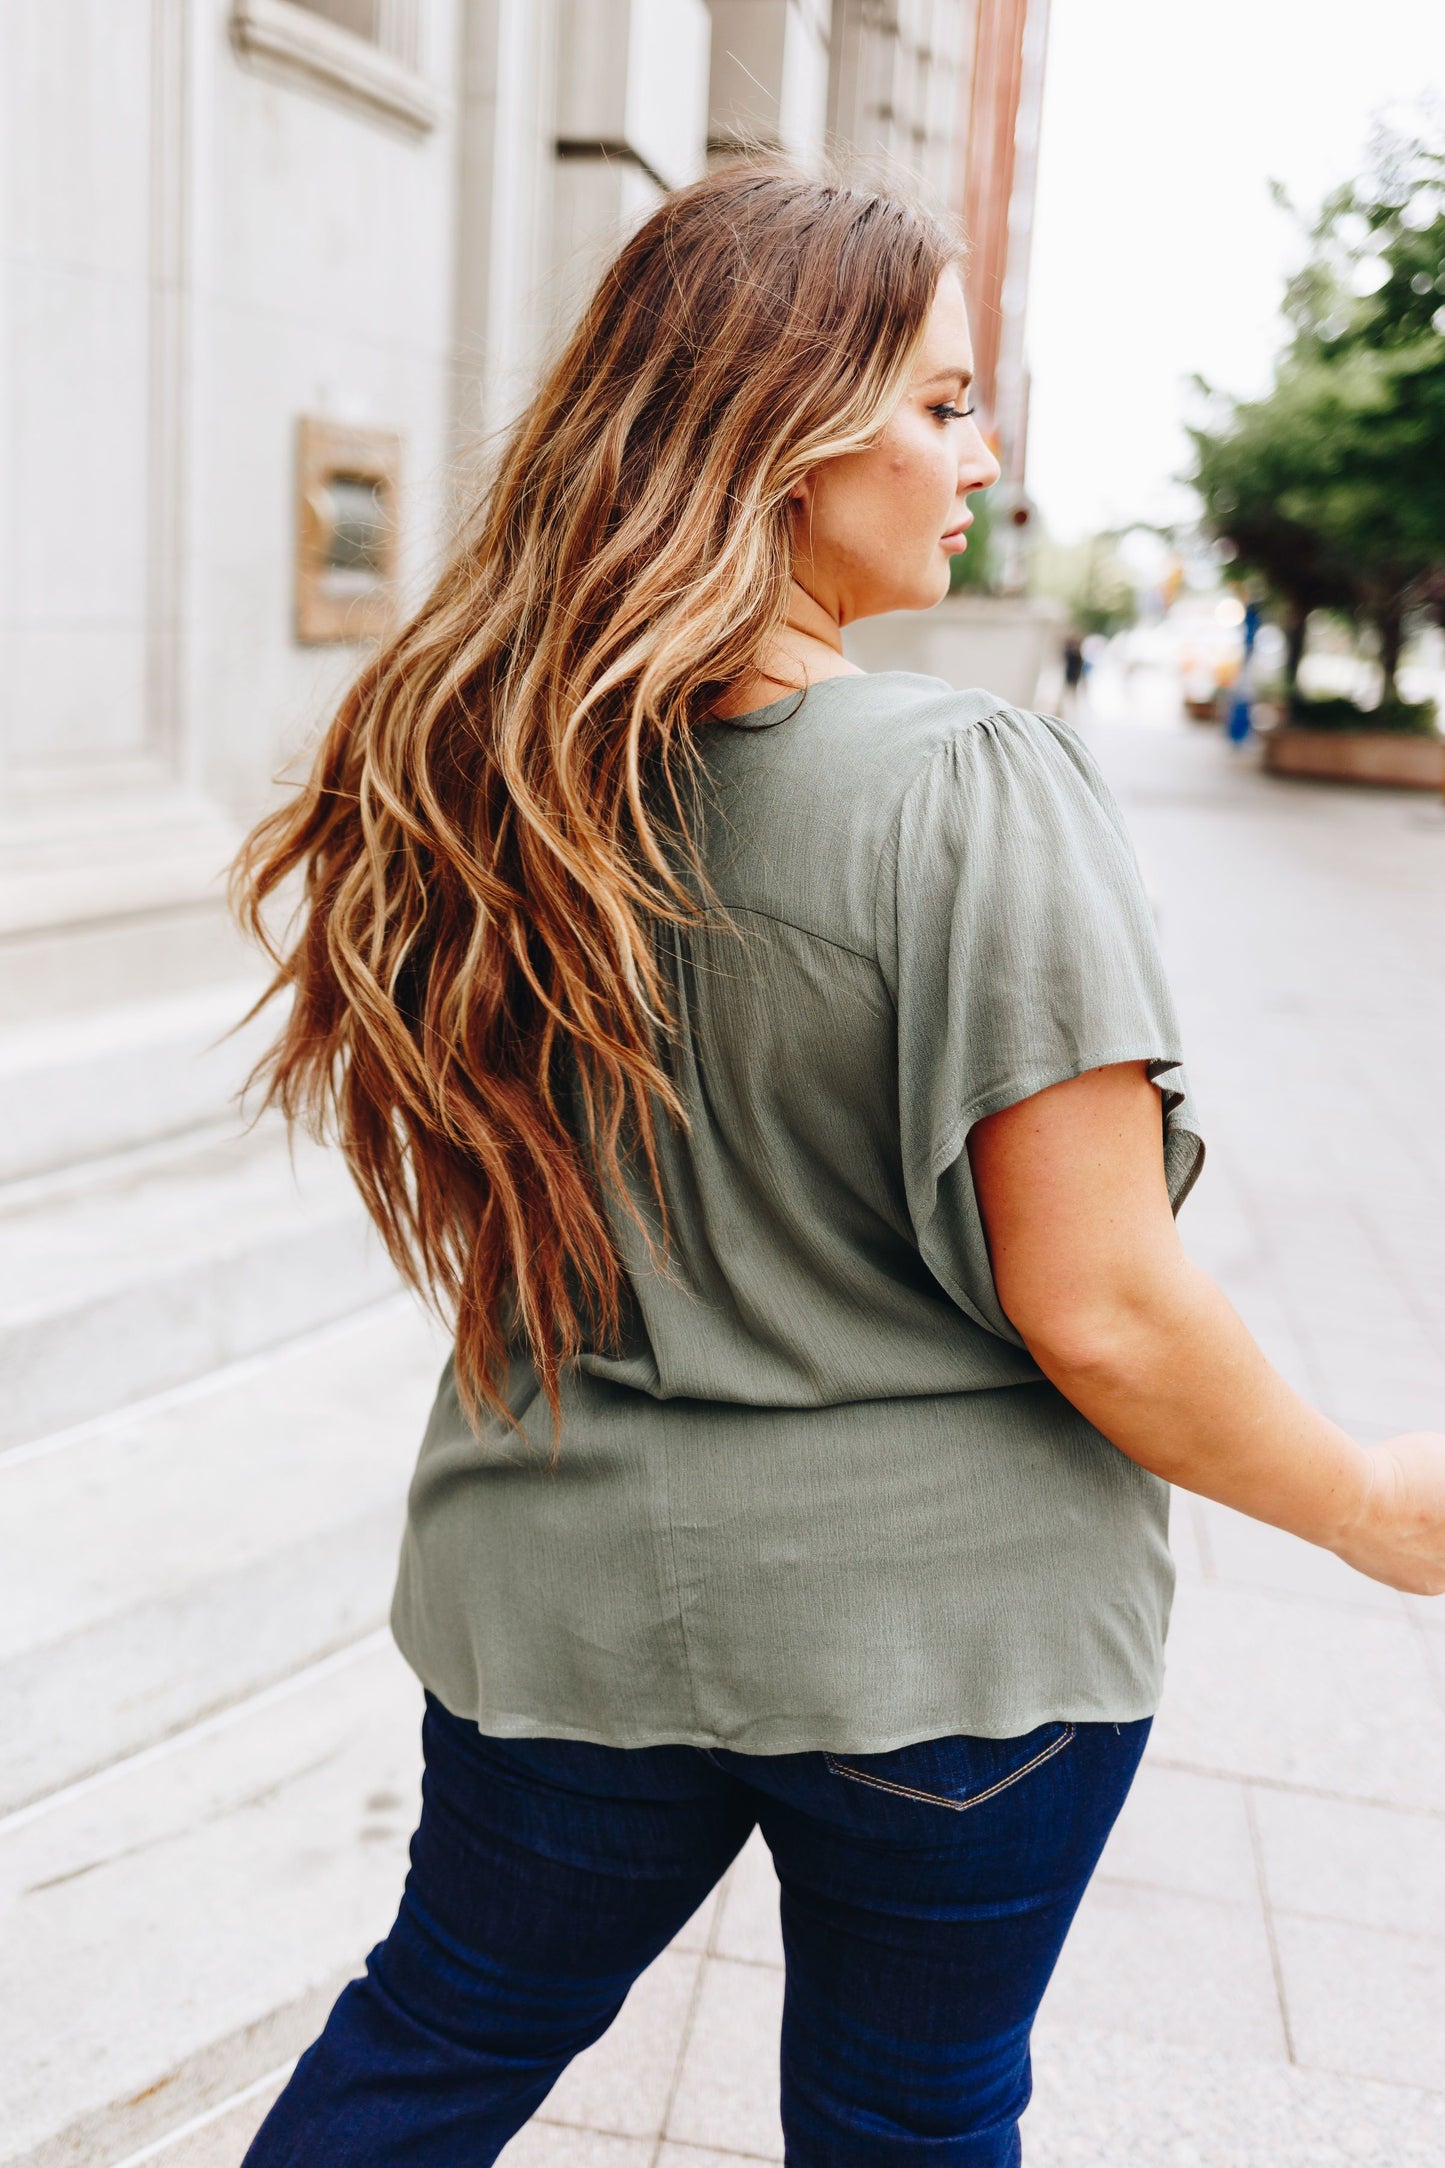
807, 648
809, 618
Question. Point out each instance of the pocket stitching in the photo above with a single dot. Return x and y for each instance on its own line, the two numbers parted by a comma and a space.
935, 1799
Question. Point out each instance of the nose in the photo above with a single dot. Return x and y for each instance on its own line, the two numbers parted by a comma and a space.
977, 466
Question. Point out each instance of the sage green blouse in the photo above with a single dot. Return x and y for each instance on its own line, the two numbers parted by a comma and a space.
823, 1497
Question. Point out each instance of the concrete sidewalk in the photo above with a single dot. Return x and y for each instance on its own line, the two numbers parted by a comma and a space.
1256, 1978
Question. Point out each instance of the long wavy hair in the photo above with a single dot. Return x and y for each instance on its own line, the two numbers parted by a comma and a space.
497, 822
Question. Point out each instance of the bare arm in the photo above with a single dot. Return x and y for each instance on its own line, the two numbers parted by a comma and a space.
1090, 1271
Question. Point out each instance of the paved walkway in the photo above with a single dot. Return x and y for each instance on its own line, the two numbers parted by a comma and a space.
1257, 1976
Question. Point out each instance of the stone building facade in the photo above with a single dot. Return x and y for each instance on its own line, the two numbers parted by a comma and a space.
230, 215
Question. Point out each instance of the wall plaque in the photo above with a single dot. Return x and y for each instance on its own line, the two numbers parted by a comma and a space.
348, 482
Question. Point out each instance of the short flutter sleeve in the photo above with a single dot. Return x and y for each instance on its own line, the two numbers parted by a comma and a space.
1015, 926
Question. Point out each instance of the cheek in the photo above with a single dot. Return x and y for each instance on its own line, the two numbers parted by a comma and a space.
926, 468
883, 511
915, 484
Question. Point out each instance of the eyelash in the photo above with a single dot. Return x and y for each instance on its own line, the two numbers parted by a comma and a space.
949, 413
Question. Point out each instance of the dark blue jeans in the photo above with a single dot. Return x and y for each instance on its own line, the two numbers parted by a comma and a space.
926, 1894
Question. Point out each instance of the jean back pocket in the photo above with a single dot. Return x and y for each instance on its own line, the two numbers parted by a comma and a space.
956, 1773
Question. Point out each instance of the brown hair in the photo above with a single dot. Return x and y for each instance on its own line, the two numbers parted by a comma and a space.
496, 821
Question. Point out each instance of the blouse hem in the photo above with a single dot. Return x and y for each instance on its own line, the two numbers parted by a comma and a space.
783, 1736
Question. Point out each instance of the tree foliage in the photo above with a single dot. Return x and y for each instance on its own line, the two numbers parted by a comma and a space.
1332, 487
1090, 579
974, 568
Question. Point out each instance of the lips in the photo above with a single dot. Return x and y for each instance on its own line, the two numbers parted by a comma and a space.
956, 534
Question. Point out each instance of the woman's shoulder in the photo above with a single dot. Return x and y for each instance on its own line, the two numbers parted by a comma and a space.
908, 738
1024, 778
880, 727
860, 770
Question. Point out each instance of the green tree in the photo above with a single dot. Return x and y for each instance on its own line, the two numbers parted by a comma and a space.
1332, 487
1090, 580
974, 568
1255, 475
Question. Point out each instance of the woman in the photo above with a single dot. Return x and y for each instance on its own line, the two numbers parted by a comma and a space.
772, 1067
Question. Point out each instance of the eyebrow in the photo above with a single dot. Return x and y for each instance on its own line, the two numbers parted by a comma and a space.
946, 376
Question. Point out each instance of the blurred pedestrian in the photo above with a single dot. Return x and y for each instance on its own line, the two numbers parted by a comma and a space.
773, 1068
1239, 721
1073, 671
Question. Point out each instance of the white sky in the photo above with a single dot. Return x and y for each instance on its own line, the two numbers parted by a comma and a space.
1157, 250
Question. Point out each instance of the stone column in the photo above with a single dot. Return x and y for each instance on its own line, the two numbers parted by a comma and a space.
99, 809
506, 137
632, 106
769, 83
896, 92
228, 214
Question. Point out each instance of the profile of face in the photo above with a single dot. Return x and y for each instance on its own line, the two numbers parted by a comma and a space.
876, 530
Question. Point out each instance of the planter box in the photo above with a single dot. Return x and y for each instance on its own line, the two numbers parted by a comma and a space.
1358, 756
1001, 641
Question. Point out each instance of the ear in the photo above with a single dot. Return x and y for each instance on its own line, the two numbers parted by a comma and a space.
800, 495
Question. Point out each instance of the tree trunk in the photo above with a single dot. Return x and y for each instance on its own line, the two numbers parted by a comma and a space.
1296, 627
1390, 626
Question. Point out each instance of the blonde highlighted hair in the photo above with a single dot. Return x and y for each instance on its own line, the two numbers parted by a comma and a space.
496, 823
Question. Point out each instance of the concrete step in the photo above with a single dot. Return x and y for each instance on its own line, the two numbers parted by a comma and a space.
124, 1278
175, 1928
170, 1560
76, 1088
64, 972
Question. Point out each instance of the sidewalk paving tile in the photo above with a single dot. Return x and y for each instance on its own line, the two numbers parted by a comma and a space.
1430, 1634
1301, 1692
1373, 1396
1110, 2100
674, 2155
748, 1926
622, 2083
698, 1931
1364, 2003
1183, 1832
727, 2094
1251, 1553
1167, 1966
1184, 1544
547, 2145
1369, 1866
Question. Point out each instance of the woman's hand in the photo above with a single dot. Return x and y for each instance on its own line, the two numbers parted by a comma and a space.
1398, 1537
